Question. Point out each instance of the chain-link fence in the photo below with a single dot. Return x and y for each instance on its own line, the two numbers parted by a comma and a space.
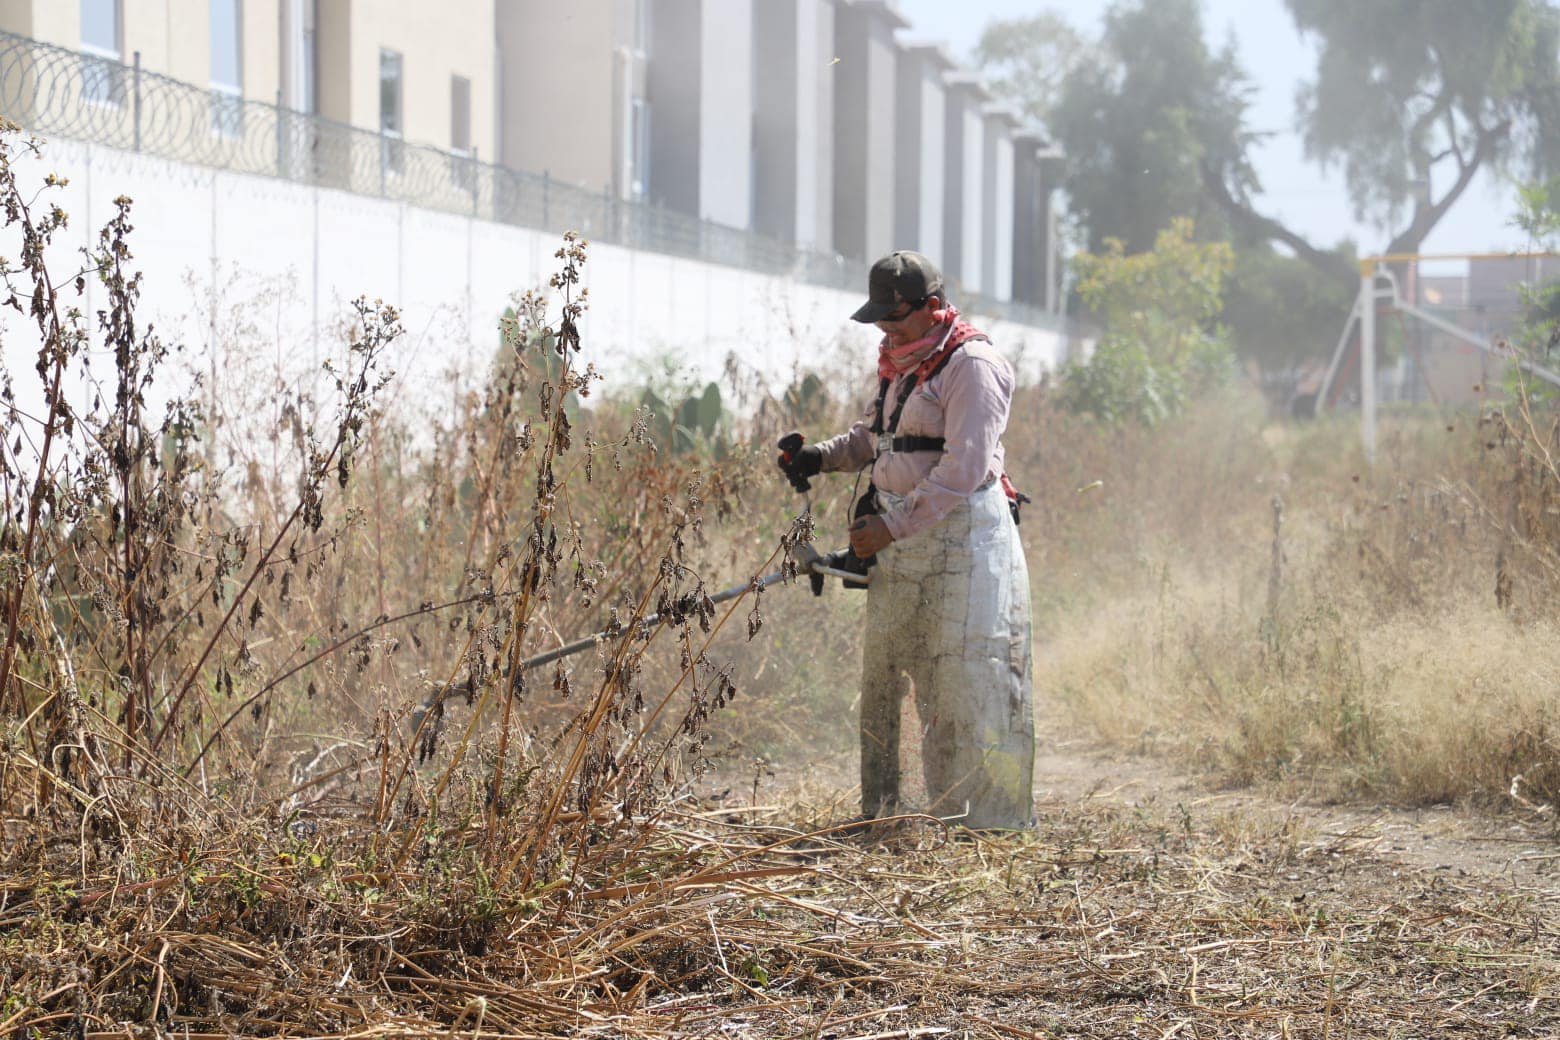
53, 90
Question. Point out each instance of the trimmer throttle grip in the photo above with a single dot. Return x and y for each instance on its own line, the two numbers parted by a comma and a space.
797, 461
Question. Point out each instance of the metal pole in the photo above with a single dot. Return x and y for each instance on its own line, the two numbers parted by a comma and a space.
1368, 358
1337, 356
135, 103
809, 562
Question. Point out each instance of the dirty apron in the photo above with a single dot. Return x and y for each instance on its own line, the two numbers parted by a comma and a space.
948, 610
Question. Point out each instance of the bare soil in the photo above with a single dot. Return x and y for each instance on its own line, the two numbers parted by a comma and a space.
1520, 848
1155, 903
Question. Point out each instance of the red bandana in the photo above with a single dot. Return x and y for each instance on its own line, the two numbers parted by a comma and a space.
924, 353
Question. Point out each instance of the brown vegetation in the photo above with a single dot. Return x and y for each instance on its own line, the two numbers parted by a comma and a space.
272, 761
1262, 601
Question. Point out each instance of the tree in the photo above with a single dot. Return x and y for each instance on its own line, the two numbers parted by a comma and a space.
1026, 60
1162, 342
1538, 336
1140, 121
1284, 313
1412, 98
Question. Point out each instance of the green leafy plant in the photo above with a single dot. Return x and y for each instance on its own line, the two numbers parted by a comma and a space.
1162, 343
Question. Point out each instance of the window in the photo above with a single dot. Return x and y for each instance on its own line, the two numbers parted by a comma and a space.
102, 50
100, 28
309, 62
642, 26
460, 115
300, 19
462, 169
227, 85
391, 118
639, 149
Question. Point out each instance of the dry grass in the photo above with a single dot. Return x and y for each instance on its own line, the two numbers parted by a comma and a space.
1398, 645
729, 921
221, 814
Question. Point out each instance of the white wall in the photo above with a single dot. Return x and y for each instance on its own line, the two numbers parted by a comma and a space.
726, 114
933, 160
972, 208
245, 270
999, 231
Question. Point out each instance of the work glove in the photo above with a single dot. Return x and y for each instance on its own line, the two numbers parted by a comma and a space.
798, 461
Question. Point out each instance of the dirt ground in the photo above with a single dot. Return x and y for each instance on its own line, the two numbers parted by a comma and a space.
1520, 847
1153, 903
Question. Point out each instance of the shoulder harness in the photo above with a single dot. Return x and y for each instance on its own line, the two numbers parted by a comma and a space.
927, 371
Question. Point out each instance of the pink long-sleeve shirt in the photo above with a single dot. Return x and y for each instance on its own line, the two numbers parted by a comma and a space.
967, 405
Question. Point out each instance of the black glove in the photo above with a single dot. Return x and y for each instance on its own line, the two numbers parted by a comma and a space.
798, 462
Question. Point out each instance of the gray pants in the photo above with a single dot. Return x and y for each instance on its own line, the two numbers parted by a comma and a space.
948, 610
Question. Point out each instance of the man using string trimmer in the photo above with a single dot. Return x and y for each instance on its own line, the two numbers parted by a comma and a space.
948, 599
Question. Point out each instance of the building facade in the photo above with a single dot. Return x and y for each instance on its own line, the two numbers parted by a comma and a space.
412, 71
806, 125
922, 129
964, 180
865, 127
793, 121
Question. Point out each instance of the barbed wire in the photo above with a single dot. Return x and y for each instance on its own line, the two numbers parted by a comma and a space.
56, 91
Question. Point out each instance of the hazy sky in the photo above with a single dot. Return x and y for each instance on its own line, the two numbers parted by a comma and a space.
1277, 60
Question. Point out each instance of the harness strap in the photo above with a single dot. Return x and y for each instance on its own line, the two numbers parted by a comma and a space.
918, 444
938, 362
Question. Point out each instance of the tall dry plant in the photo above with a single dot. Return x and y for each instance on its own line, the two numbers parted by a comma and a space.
259, 690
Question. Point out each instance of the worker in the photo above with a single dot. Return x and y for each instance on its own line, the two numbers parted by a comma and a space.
948, 595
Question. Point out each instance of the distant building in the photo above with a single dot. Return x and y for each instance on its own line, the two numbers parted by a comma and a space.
793, 121
408, 70
997, 202
964, 154
805, 126
919, 193
865, 129
572, 96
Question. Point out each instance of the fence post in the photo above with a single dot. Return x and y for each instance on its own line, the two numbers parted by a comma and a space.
476, 182
135, 100
546, 183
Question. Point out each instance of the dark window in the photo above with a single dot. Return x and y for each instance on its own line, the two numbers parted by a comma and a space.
391, 117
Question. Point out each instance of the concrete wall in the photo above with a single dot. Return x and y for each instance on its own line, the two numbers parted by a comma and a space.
865, 136
1036, 164
815, 191
997, 204
1028, 229
920, 176
726, 113
964, 150
793, 120
246, 270
436, 41
672, 85
173, 36
561, 91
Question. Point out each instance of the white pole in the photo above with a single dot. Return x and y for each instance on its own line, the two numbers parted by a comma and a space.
1368, 358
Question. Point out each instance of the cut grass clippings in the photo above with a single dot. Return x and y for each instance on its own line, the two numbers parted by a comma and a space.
1106, 922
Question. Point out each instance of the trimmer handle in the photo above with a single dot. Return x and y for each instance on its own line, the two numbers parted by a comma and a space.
790, 447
